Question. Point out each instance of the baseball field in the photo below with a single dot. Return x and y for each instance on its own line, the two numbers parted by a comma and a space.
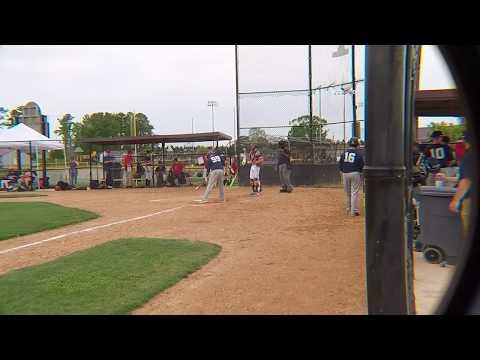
295, 253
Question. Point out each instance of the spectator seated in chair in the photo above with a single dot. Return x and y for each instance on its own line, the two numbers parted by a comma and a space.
171, 178
161, 175
26, 180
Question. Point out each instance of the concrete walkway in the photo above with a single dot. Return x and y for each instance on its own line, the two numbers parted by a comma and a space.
431, 282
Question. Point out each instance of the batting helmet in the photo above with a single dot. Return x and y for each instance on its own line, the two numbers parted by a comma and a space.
354, 141
282, 143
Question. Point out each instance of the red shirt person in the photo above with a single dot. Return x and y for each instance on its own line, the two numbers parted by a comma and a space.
128, 161
177, 168
459, 151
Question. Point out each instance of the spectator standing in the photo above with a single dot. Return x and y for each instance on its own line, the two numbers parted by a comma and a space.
127, 166
460, 150
439, 150
177, 170
460, 203
73, 172
148, 166
108, 161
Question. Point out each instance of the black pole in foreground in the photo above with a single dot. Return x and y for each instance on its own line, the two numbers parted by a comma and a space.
412, 60
385, 180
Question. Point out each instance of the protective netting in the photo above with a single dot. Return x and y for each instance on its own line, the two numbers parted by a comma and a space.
274, 98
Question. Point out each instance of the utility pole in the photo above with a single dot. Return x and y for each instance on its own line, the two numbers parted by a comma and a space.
213, 104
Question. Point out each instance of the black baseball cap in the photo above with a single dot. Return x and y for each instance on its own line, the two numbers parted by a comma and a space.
436, 134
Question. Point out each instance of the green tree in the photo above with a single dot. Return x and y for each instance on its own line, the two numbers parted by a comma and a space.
453, 131
301, 129
110, 125
8, 117
257, 136
65, 132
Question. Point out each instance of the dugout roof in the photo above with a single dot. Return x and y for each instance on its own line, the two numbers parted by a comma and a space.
443, 102
159, 139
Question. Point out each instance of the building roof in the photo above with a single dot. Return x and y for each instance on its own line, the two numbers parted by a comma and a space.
445, 102
159, 139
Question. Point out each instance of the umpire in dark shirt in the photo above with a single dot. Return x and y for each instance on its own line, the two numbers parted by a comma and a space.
284, 167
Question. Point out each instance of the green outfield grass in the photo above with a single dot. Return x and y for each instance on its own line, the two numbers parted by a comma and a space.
113, 278
22, 218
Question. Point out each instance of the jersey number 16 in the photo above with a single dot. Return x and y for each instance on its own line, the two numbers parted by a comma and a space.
349, 157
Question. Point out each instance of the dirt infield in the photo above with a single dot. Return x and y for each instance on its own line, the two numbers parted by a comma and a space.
293, 253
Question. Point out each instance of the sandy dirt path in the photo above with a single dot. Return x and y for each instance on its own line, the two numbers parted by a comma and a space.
293, 253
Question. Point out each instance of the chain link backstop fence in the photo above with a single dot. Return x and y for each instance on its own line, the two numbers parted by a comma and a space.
310, 95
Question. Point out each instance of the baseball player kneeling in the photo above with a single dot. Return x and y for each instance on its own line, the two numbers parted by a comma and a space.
215, 168
351, 167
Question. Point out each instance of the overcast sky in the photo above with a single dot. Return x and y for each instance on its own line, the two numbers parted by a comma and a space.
172, 84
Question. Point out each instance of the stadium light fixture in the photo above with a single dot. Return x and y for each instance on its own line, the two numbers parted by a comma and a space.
213, 104
341, 51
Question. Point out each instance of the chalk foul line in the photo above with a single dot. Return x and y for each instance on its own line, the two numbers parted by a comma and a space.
92, 229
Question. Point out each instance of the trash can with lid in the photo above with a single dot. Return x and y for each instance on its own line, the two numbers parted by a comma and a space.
440, 229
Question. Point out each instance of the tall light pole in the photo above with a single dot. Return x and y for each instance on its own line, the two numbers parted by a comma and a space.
343, 51
213, 104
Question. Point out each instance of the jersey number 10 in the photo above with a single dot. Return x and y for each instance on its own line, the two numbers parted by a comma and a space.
349, 157
438, 153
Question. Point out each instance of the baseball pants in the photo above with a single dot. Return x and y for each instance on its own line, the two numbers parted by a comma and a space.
284, 173
215, 177
352, 182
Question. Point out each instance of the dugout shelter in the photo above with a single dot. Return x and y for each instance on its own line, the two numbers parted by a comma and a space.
153, 140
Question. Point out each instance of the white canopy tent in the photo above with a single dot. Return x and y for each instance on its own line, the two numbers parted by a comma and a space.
21, 137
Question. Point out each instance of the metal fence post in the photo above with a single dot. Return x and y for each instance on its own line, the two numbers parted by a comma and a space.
354, 95
237, 154
310, 98
385, 180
